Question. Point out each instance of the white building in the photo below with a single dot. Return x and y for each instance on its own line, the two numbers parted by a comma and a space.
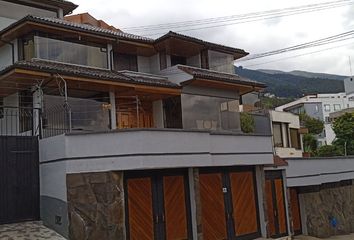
320, 106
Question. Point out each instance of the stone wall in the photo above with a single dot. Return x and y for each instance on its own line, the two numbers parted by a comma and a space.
96, 206
327, 202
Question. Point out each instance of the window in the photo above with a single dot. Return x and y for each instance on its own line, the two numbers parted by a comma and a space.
295, 138
277, 135
286, 139
327, 107
125, 62
2, 108
163, 60
336, 107
26, 105
55, 48
327, 120
175, 60
204, 59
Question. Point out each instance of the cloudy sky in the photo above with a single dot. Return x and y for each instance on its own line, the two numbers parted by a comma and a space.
254, 37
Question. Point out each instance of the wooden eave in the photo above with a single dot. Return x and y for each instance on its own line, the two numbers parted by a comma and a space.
242, 88
179, 47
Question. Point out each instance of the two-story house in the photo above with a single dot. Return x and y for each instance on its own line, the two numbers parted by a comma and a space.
139, 138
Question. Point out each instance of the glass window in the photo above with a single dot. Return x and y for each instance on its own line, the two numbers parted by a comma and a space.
277, 135
210, 113
64, 51
175, 60
125, 62
295, 138
327, 107
336, 107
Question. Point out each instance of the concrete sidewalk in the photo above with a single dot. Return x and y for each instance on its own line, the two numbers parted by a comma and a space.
343, 237
27, 231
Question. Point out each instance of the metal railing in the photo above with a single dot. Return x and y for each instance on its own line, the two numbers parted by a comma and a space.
20, 121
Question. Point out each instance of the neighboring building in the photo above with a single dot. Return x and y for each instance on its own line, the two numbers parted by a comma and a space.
320, 106
287, 140
349, 85
333, 116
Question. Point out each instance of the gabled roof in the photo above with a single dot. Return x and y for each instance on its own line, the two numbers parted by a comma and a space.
209, 45
56, 22
87, 72
219, 76
67, 6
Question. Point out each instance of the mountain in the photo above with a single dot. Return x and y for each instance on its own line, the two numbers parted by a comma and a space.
290, 85
305, 74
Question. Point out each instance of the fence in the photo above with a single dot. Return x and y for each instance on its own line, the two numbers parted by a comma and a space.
19, 121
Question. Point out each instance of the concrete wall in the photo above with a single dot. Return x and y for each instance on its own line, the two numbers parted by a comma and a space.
316, 171
149, 64
221, 62
194, 61
125, 150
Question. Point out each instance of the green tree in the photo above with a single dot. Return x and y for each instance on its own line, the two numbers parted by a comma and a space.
315, 126
343, 127
247, 123
329, 151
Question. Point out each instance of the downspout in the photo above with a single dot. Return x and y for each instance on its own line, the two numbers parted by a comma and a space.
12, 47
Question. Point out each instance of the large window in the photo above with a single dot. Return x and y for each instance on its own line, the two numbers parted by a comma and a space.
56, 49
277, 135
125, 62
175, 60
295, 138
327, 107
336, 107
210, 113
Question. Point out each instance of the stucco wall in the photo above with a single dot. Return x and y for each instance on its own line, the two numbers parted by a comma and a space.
316, 171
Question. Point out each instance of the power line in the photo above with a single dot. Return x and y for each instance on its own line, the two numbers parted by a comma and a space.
316, 43
299, 55
249, 17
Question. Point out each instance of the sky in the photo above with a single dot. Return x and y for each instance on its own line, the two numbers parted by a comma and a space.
253, 37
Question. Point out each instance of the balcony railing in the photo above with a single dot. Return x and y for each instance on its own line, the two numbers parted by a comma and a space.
20, 121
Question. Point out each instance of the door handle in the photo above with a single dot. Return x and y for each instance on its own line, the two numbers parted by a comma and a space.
275, 213
157, 218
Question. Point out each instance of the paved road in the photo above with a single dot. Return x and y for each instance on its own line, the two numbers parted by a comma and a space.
27, 231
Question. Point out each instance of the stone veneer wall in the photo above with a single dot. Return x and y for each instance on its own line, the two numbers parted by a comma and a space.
96, 206
330, 200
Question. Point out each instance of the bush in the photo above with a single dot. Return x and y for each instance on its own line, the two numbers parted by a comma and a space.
310, 142
329, 151
247, 123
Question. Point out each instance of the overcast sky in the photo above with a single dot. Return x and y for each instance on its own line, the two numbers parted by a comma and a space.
254, 37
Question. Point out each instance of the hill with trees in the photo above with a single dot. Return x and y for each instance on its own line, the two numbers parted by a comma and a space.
290, 85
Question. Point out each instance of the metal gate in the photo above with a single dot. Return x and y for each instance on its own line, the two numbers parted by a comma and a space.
19, 178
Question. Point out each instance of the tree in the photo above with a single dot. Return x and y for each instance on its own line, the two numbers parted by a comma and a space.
315, 126
343, 127
247, 123
329, 151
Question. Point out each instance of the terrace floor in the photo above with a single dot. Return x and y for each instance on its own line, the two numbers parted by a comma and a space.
27, 231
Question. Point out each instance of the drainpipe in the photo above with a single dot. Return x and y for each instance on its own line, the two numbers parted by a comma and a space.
12, 47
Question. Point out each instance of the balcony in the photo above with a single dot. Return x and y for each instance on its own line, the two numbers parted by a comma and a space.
155, 148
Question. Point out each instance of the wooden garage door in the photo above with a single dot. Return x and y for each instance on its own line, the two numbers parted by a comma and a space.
175, 207
213, 207
277, 221
244, 203
140, 209
295, 210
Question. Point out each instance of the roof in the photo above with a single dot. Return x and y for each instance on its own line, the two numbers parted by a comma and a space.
57, 22
67, 6
210, 45
89, 72
219, 76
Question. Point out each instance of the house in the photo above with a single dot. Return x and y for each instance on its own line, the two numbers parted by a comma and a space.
320, 106
137, 138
